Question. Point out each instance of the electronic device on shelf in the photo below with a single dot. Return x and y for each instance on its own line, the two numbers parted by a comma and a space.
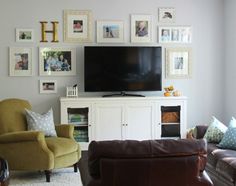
123, 68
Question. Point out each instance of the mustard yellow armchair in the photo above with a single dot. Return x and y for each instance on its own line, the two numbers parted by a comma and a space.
31, 150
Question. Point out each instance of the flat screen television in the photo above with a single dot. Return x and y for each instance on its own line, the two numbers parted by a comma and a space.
122, 68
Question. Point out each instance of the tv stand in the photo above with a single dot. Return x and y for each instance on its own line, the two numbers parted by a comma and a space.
123, 94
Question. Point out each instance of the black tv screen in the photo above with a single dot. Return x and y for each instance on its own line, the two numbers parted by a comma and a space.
122, 68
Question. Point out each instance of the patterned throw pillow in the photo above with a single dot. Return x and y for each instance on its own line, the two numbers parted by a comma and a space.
215, 131
41, 122
229, 139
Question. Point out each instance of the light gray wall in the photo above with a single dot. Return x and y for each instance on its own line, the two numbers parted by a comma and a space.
204, 89
230, 61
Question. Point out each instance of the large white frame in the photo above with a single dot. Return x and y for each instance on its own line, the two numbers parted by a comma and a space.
144, 37
178, 63
16, 66
45, 52
175, 34
114, 27
72, 35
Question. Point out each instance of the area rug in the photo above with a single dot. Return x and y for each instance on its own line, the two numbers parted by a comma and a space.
60, 177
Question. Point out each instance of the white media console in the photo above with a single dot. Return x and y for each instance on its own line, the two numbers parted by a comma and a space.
120, 118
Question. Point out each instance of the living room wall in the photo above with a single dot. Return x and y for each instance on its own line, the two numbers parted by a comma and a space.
204, 89
229, 62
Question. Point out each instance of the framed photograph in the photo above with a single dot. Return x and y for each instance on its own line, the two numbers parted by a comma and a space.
178, 63
110, 31
47, 86
24, 35
77, 26
20, 61
57, 61
141, 28
175, 34
166, 15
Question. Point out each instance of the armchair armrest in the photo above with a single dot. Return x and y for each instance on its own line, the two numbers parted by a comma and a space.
197, 132
21, 136
65, 130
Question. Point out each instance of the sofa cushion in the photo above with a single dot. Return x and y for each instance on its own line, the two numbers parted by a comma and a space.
41, 122
211, 159
224, 163
215, 131
61, 146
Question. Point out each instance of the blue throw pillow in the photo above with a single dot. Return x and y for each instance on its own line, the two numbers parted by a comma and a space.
229, 139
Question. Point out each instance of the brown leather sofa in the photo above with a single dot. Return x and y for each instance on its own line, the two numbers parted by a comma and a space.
221, 163
148, 163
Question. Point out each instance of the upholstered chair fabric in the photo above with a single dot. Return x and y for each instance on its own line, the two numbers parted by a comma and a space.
31, 150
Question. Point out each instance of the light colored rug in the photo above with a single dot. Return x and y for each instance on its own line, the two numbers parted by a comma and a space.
60, 177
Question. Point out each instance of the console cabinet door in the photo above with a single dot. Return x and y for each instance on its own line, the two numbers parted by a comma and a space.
109, 121
139, 119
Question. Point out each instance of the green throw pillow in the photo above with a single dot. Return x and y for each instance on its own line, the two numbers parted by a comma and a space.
41, 122
229, 139
215, 131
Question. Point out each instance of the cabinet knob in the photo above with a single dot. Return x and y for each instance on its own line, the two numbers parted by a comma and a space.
89, 125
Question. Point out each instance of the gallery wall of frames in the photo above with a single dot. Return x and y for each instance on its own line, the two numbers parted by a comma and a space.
78, 28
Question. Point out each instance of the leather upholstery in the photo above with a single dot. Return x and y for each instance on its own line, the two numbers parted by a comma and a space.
221, 163
148, 163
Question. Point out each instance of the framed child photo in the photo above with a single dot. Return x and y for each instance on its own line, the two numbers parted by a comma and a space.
178, 63
141, 28
110, 31
47, 86
175, 34
20, 61
57, 61
77, 26
24, 35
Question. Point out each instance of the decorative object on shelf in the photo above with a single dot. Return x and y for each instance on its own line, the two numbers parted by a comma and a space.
166, 15
20, 61
175, 34
177, 93
168, 91
24, 35
54, 31
57, 61
110, 31
141, 28
178, 63
47, 86
77, 26
72, 91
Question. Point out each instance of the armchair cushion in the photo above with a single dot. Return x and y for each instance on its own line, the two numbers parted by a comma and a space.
41, 122
61, 146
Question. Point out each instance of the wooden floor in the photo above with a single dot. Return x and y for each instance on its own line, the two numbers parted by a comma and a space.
83, 167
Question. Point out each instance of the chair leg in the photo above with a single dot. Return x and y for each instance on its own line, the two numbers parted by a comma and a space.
48, 174
76, 167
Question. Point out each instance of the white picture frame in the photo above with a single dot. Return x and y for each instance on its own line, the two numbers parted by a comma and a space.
166, 15
175, 34
178, 63
110, 31
24, 35
47, 86
77, 26
20, 61
141, 28
55, 61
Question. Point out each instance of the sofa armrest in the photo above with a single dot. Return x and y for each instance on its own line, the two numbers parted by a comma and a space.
21, 136
65, 130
